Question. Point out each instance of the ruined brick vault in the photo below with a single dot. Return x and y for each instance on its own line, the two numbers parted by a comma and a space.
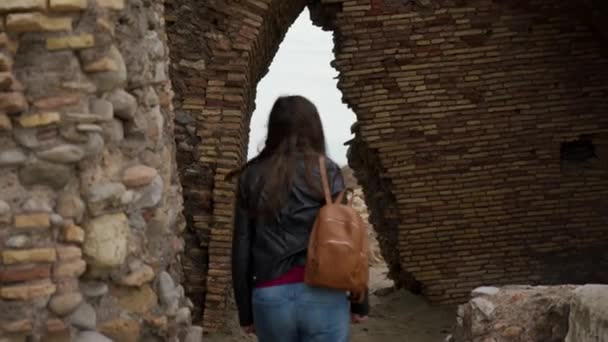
481, 144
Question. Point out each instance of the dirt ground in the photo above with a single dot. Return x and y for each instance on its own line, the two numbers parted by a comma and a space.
396, 316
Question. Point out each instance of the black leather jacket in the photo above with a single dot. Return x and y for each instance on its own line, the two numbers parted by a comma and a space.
264, 250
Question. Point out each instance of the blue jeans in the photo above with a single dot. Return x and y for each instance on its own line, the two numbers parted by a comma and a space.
300, 313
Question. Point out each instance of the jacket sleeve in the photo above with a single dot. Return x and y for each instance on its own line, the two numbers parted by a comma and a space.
337, 180
241, 261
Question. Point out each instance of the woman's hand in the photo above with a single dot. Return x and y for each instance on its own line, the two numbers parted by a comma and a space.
249, 329
357, 318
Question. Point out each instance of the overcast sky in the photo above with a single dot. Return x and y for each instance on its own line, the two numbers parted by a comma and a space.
301, 67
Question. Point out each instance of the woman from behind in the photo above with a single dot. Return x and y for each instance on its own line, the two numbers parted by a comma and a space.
278, 197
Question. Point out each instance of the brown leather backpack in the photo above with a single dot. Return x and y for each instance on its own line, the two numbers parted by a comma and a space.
338, 247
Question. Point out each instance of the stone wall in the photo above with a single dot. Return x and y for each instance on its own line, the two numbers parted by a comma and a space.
90, 203
479, 123
527, 313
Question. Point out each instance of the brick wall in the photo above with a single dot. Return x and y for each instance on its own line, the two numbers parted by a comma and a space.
219, 51
467, 108
89, 199
463, 110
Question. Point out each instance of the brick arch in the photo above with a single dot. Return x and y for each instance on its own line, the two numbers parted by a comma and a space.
215, 79
462, 107
216, 85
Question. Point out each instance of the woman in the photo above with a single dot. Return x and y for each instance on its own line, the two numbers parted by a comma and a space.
278, 198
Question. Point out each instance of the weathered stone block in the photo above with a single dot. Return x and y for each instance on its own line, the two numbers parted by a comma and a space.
137, 300
22, 5
30, 221
588, 321
28, 291
5, 123
36, 22
106, 26
121, 329
81, 41
29, 256
106, 240
195, 334
138, 277
39, 119
70, 205
73, 233
55, 102
7, 79
104, 196
54, 326
17, 326
6, 63
67, 5
24, 273
101, 65
12, 103
53, 175
112, 4
65, 253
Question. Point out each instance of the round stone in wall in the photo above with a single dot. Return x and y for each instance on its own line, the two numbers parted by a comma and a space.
65, 303
12, 157
124, 104
93, 288
84, 317
139, 175
63, 154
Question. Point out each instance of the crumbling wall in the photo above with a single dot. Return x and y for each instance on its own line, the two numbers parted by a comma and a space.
534, 314
484, 117
89, 198
380, 201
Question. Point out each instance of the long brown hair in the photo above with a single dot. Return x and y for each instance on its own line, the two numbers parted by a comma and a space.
295, 134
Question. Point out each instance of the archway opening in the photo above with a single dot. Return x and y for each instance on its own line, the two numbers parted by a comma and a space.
302, 66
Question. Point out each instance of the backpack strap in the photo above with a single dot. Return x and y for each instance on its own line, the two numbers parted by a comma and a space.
324, 182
